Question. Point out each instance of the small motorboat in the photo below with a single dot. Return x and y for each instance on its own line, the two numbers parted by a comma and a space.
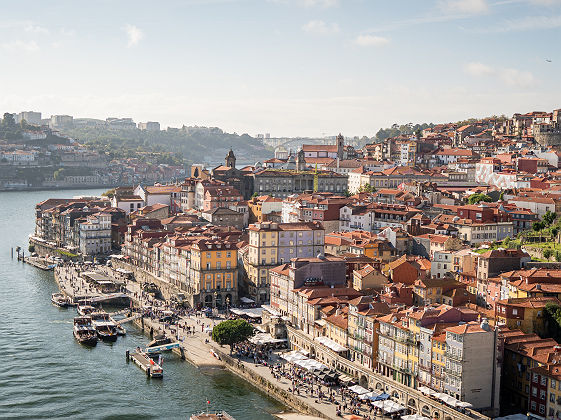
84, 331
60, 300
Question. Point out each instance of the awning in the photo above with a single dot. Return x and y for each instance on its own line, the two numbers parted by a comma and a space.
327, 342
249, 312
464, 404
427, 391
265, 338
345, 379
388, 406
357, 389
293, 356
414, 417
246, 300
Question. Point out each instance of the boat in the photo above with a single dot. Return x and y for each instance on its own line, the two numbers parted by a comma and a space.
159, 340
105, 327
85, 309
60, 300
211, 415
143, 360
84, 331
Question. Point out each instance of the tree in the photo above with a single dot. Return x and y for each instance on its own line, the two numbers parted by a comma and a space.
367, 188
58, 174
477, 198
549, 217
8, 120
547, 253
232, 331
537, 226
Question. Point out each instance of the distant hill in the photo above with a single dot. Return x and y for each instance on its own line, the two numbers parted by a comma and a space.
188, 144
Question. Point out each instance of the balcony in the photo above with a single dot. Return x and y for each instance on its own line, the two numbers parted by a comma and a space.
453, 372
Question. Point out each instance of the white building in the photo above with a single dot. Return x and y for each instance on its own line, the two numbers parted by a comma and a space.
128, 203
441, 264
95, 234
61, 121
30, 117
537, 205
472, 371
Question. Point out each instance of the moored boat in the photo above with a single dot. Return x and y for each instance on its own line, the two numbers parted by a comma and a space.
104, 326
60, 300
85, 309
84, 331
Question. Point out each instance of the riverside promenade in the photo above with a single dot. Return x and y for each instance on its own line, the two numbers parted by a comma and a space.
192, 331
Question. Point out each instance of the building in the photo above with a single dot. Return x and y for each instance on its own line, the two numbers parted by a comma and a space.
223, 216
213, 273
272, 244
525, 314
149, 126
95, 234
282, 183
30, 117
61, 121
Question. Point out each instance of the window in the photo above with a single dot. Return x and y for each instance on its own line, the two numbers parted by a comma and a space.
543, 380
535, 378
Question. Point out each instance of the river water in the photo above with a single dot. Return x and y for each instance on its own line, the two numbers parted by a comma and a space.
45, 373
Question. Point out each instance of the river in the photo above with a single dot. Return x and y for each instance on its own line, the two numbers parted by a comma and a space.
46, 374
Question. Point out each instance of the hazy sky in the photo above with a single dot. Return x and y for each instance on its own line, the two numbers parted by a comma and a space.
287, 67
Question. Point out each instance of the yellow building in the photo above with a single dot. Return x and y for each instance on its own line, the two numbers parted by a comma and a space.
525, 314
214, 271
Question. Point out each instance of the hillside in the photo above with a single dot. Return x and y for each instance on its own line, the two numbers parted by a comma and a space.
190, 144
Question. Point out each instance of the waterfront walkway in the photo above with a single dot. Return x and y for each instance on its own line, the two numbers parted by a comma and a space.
192, 330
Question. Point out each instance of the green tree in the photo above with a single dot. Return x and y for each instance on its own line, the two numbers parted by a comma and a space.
232, 331
537, 226
9, 120
367, 188
477, 198
549, 217
547, 253
58, 174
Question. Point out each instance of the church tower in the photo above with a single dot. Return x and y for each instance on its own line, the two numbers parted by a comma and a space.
301, 161
231, 159
340, 146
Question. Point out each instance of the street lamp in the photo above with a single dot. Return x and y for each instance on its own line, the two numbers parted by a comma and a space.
227, 306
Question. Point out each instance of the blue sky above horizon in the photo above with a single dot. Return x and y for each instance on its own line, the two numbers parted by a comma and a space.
286, 67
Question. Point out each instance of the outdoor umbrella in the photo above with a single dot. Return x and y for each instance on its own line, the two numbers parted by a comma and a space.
414, 417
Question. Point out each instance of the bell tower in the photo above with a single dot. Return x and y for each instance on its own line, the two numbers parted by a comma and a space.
340, 146
231, 159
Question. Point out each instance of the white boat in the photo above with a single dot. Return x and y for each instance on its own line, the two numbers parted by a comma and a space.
85, 309
105, 327
60, 300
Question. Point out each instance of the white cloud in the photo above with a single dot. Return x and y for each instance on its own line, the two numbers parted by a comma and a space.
134, 35
371, 41
545, 2
319, 3
308, 3
319, 27
517, 78
470, 7
508, 76
478, 69
15, 46
36, 29
529, 23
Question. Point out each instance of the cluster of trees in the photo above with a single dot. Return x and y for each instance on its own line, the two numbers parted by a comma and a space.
407, 129
547, 220
187, 145
552, 314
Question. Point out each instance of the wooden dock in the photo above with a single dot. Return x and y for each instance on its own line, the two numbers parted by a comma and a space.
144, 362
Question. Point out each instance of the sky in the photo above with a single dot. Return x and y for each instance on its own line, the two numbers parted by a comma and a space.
284, 67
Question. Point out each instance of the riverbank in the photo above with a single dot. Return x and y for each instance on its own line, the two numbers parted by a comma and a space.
196, 346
